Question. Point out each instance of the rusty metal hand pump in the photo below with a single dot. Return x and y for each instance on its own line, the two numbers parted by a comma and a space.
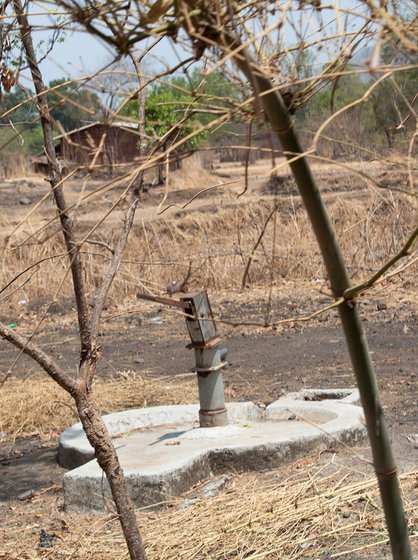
209, 355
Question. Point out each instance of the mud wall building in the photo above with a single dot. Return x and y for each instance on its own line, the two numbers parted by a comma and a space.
103, 145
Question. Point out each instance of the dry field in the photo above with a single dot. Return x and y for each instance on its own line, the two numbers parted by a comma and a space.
313, 510
210, 222
228, 236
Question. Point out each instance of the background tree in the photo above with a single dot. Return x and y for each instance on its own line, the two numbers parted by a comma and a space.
72, 105
395, 101
356, 132
193, 98
19, 107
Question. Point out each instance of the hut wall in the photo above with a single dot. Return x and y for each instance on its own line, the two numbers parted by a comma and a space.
81, 146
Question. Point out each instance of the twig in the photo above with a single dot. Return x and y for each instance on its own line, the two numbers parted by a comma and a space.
406, 250
101, 244
303, 319
18, 287
114, 265
33, 265
257, 243
32, 350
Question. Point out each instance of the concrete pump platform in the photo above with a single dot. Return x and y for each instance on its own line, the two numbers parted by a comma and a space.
164, 452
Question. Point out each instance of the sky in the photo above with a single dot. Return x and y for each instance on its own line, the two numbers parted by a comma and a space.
78, 54
81, 54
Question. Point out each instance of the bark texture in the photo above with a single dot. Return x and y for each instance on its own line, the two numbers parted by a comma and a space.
107, 458
80, 389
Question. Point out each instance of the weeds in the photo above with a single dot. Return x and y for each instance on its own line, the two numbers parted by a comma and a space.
49, 410
217, 234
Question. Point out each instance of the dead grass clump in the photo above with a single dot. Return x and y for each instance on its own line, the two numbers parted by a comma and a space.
219, 244
311, 515
220, 240
46, 265
14, 164
39, 406
191, 175
372, 230
312, 512
219, 236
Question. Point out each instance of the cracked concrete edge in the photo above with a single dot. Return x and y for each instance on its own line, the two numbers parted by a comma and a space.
87, 494
75, 450
351, 395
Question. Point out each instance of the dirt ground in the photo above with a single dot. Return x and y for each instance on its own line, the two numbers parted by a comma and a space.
263, 365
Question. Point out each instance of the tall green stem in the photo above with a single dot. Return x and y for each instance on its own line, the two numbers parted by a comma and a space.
281, 122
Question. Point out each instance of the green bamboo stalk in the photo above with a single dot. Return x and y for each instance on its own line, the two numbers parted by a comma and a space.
281, 122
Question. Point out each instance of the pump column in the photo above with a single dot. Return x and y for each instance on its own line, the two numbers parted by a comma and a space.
210, 360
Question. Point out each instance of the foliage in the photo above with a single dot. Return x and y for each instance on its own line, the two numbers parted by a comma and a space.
72, 105
25, 136
20, 108
184, 98
396, 96
353, 127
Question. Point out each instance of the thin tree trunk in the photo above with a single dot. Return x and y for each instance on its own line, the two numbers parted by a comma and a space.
384, 464
142, 98
80, 390
107, 458
54, 179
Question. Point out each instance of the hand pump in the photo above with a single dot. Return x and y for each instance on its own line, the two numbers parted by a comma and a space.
210, 357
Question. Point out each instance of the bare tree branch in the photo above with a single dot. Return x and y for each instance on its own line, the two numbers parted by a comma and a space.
40, 358
55, 178
406, 250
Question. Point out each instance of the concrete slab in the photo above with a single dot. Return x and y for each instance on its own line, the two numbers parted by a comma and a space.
164, 452
75, 450
351, 396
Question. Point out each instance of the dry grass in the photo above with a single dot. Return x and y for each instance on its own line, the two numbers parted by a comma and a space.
39, 406
302, 516
309, 511
219, 241
193, 174
14, 164
218, 234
